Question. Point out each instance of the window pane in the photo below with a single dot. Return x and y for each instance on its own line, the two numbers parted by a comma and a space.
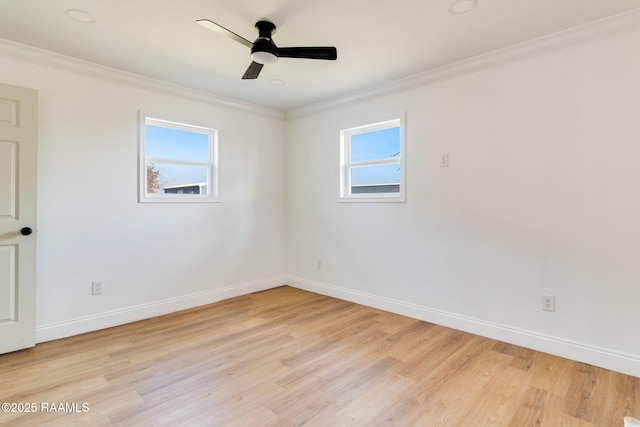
376, 179
176, 144
176, 179
377, 144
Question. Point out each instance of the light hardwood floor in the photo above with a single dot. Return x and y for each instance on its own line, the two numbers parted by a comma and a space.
286, 357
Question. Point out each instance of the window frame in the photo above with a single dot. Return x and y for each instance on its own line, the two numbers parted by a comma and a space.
160, 120
346, 164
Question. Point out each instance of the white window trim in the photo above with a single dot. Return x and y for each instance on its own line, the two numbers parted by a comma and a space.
212, 165
346, 164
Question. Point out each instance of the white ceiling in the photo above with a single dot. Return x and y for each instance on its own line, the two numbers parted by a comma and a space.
377, 40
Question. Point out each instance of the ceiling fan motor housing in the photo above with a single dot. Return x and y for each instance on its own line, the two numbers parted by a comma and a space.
264, 50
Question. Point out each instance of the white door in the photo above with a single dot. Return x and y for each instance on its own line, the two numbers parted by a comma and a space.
18, 148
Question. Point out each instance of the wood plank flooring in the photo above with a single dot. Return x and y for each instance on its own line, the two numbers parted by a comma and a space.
286, 357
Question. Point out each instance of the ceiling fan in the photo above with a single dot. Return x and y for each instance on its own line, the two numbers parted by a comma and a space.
264, 50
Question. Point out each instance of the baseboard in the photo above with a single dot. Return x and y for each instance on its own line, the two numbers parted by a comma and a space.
121, 316
604, 358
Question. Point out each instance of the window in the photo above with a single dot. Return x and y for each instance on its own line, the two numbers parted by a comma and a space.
372, 162
178, 162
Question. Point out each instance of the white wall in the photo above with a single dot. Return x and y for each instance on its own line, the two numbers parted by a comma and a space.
541, 196
152, 258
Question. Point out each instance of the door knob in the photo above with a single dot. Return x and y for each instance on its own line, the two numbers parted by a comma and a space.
26, 231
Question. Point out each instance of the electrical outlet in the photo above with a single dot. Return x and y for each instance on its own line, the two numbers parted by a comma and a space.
96, 287
549, 302
320, 264
444, 160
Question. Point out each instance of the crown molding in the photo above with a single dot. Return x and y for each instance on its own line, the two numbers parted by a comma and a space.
49, 59
603, 28
607, 27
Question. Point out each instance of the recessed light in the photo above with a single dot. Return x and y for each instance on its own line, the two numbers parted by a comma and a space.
276, 82
462, 6
80, 16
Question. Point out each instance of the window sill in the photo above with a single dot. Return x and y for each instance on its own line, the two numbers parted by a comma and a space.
369, 199
178, 199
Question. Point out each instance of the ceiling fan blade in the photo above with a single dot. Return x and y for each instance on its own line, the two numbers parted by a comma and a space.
222, 30
253, 71
329, 53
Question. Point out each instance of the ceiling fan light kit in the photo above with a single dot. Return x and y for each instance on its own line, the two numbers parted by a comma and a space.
264, 58
264, 51
462, 6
